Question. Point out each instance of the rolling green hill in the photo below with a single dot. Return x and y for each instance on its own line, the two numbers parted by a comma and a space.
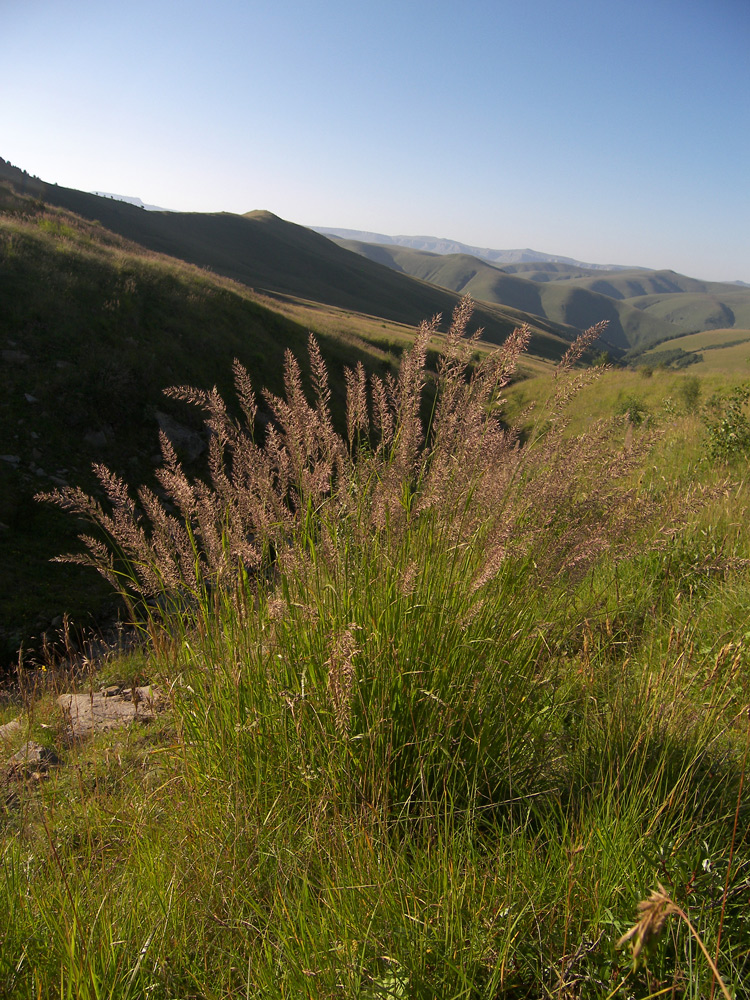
563, 298
699, 311
724, 353
641, 306
266, 253
548, 271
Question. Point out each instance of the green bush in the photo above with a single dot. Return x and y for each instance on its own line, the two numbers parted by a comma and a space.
727, 425
689, 391
633, 408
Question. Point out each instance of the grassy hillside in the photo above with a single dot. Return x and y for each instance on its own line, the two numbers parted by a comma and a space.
640, 306
699, 310
548, 271
92, 329
563, 298
271, 255
480, 731
717, 352
633, 284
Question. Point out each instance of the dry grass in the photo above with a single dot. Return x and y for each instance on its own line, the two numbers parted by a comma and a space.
465, 466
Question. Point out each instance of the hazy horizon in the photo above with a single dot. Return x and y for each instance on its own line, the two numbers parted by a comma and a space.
615, 135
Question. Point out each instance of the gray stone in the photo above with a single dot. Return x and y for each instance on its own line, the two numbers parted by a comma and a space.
97, 439
190, 444
30, 760
9, 728
110, 709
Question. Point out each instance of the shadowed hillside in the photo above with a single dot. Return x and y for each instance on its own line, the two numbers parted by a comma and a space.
92, 329
266, 253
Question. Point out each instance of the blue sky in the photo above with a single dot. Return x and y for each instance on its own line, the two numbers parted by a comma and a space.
613, 132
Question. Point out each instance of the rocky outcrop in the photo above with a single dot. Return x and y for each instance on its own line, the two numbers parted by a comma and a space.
110, 708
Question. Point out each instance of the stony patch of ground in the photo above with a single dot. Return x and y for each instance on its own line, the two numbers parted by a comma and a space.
110, 708
82, 715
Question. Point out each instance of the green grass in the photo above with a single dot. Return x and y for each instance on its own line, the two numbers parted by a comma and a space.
725, 352
485, 700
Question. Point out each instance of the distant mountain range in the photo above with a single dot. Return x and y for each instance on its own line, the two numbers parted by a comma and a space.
435, 244
131, 201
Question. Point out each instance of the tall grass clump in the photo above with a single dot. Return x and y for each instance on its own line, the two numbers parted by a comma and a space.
365, 603
446, 706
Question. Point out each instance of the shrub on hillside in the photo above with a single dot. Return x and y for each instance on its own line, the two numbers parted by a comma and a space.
689, 391
633, 409
727, 425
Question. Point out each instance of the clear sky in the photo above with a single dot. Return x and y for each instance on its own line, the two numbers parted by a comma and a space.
612, 131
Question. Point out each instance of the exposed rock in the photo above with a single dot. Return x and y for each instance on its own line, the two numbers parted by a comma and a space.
109, 709
11, 459
31, 760
186, 441
14, 357
100, 437
9, 728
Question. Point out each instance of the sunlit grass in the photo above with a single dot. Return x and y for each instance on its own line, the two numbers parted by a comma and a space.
472, 707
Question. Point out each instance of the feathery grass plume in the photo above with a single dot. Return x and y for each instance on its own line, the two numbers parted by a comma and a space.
579, 347
464, 468
245, 393
357, 419
654, 913
408, 398
341, 675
